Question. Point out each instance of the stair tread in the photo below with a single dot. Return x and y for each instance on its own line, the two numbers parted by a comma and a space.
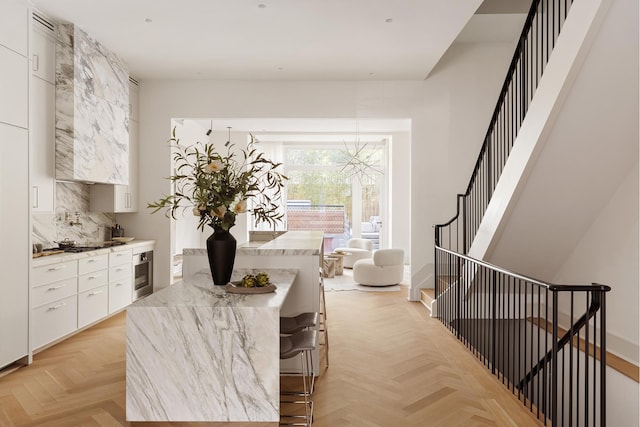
429, 292
427, 296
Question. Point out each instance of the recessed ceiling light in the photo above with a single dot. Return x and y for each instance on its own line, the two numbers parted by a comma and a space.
262, 6
388, 20
148, 20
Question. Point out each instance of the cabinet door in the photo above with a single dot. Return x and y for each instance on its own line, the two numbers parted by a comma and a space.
14, 27
43, 54
14, 81
129, 200
120, 294
54, 320
93, 305
14, 258
42, 139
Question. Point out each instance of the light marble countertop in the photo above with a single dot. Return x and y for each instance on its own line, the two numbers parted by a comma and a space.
197, 353
199, 291
70, 256
289, 243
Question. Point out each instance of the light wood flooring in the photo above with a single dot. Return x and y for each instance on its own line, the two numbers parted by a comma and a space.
391, 366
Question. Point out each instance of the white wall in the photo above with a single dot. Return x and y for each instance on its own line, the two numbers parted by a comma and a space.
565, 226
448, 112
460, 96
608, 254
399, 223
186, 232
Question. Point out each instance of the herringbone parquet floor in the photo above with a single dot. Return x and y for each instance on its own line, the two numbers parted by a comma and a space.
391, 366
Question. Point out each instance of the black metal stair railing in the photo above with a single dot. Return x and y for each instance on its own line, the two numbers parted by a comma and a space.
537, 40
511, 322
545, 342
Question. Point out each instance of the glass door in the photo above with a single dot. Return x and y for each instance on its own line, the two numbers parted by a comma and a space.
338, 188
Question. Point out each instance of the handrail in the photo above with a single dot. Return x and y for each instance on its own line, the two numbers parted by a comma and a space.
485, 304
537, 40
493, 311
548, 285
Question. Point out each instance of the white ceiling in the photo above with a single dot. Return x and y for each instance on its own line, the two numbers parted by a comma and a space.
286, 39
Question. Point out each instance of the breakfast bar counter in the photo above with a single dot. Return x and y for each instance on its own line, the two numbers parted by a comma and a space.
302, 250
196, 352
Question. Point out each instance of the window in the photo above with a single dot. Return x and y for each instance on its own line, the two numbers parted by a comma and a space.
337, 187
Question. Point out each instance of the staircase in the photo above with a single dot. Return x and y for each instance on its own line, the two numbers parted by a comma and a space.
510, 321
427, 296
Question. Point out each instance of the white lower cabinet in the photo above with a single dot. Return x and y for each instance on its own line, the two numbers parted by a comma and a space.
54, 272
92, 305
92, 280
93, 289
70, 295
54, 320
54, 306
53, 291
120, 290
93, 264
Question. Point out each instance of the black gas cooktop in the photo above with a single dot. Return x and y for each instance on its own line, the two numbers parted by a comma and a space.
77, 249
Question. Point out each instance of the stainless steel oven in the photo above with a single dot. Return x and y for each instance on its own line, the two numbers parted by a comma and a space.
142, 274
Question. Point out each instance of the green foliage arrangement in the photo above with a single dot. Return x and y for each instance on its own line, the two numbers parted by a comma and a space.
218, 186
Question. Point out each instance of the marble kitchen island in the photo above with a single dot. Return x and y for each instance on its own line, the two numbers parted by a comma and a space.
302, 250
198, 353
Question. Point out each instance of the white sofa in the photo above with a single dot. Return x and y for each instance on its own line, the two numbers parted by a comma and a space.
384, 269
356, 249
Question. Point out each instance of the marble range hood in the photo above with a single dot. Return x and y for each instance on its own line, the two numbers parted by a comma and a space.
92, 110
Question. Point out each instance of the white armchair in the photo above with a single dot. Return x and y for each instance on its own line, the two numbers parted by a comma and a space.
356, 249
386, 268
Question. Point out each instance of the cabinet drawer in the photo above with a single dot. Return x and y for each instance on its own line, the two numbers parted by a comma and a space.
93, 280
119, 273
94, 263
53, 321
53, 291
120, 257
54, 272
92, 305
120, 294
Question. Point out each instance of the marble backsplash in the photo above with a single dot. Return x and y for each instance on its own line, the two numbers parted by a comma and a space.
90, 227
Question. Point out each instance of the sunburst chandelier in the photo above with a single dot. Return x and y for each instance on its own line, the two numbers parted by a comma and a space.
361, 161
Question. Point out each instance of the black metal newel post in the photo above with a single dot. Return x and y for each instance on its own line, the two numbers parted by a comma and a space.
554, 363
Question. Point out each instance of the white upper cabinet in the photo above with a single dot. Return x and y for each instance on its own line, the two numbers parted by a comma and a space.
14, 76
42, 139
14, 86
42, 110
14, 29
43, 50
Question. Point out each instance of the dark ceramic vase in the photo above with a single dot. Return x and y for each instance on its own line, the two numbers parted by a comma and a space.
221, 250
